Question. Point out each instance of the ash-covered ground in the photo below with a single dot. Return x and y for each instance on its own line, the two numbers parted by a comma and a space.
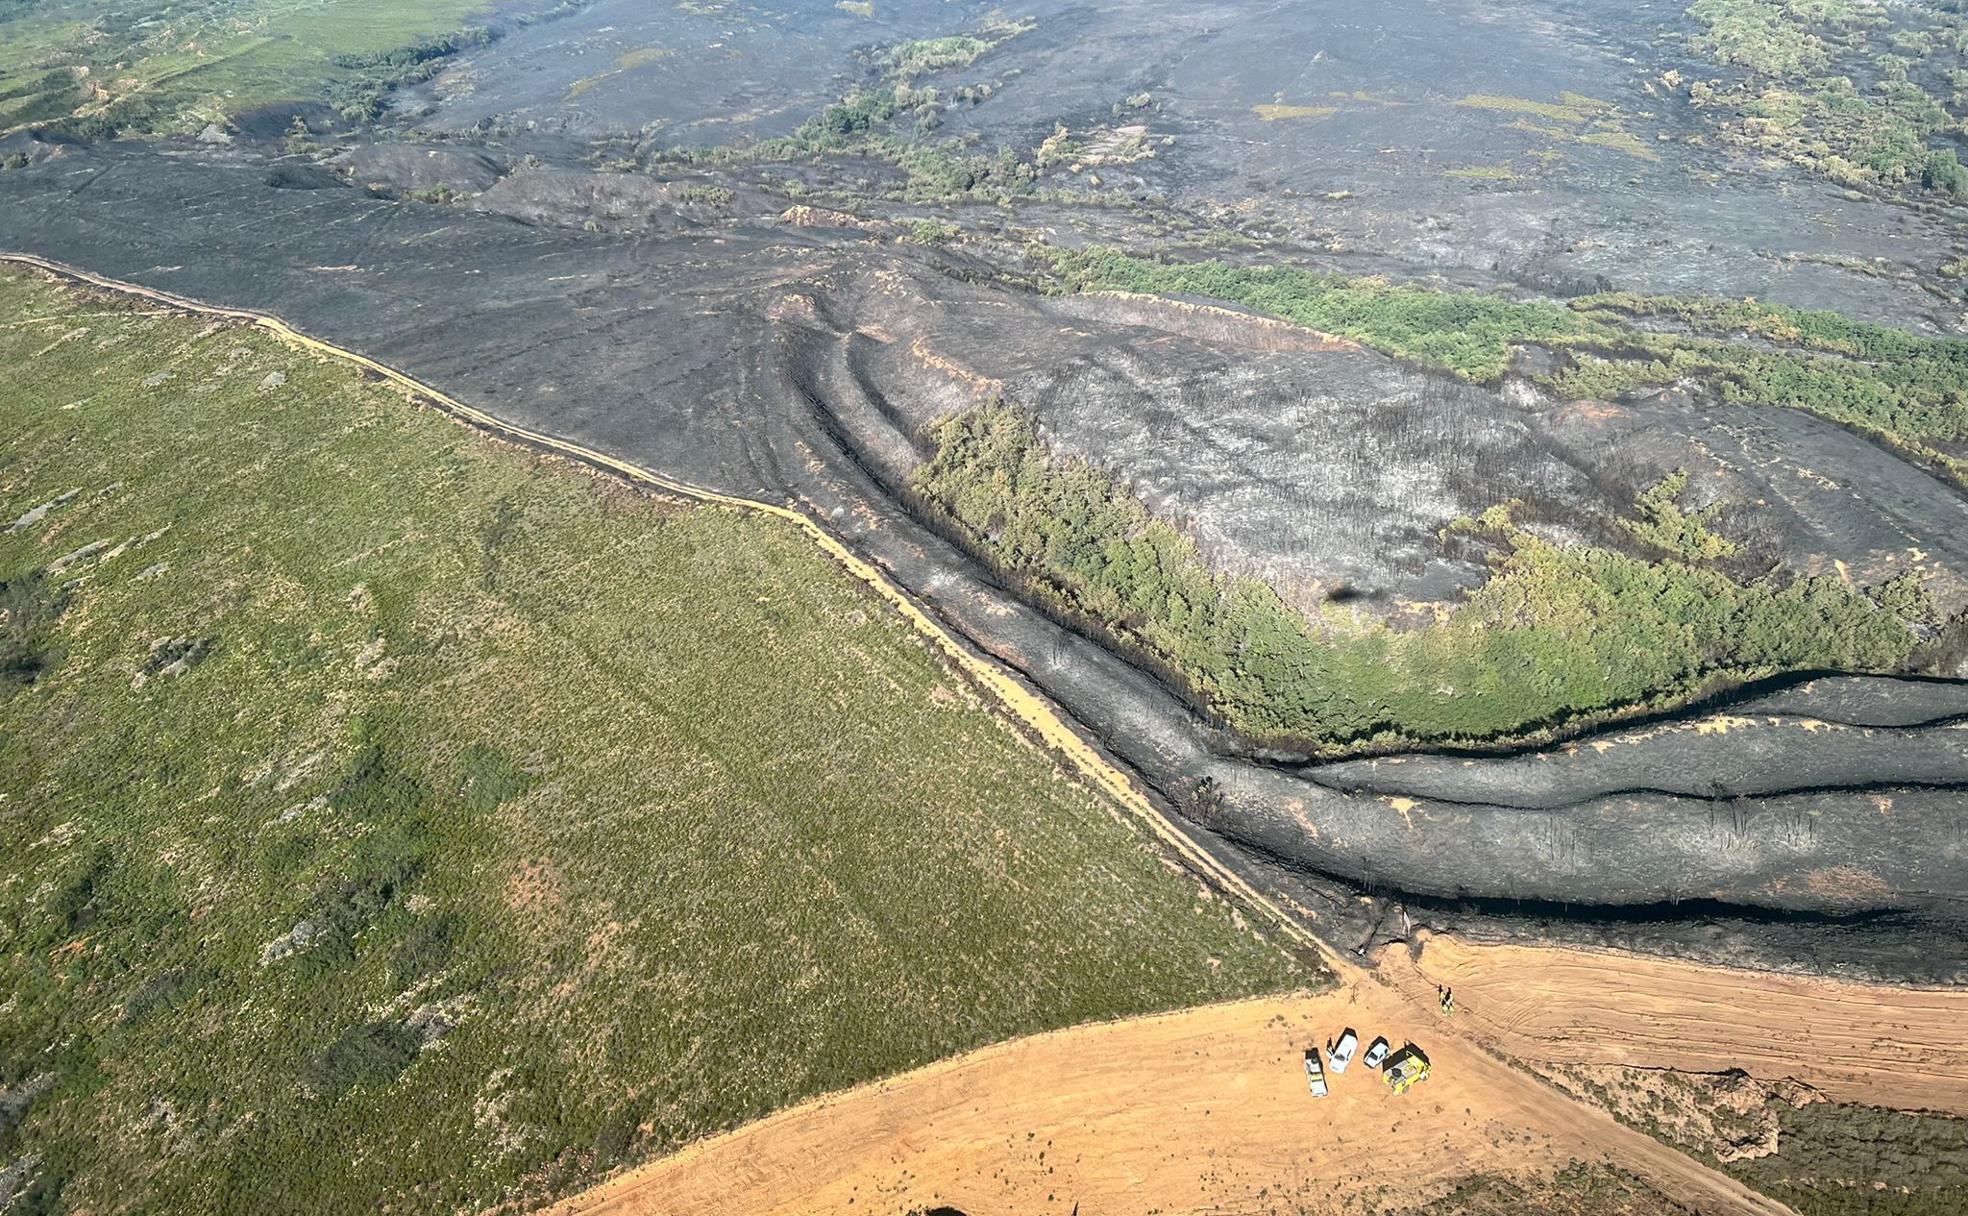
522, 233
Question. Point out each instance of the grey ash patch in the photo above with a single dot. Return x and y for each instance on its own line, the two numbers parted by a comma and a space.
304, 934
16, 1177
77, 555
34, 515
172, 656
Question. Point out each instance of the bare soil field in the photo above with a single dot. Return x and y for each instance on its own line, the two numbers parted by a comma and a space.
1207, 1110
1204, 1110
1883, 1046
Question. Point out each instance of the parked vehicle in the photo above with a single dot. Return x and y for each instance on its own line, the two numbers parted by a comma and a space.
1342, 1052
1376, 1052
1406, 1069
1315, 1074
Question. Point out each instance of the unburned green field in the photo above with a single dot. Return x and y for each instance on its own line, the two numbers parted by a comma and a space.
1841, 1159
93, 68
393, 820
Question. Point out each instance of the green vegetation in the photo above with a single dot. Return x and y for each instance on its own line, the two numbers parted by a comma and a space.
1620, 141
93, 68
705, 195
1837, 1159
1469, 333
359, 96
1577, 1190
907, 60
1554, 635
890, 122
1570, 109
1663, 524
1272, 111
865, 124
396, 821
1823, 92
1572, 119
1830, 1158
1907, 390
1775, 37
931, 232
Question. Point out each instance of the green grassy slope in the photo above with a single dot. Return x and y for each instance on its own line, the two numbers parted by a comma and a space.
1841, 1159
93, 67
393, 820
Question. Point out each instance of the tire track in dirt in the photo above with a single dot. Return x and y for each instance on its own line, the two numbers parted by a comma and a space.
1899, 1047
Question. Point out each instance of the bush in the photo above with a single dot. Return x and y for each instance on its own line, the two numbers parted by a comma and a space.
1945, 173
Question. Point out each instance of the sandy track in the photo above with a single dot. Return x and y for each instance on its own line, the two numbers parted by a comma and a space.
1200, 1111
1886, 1046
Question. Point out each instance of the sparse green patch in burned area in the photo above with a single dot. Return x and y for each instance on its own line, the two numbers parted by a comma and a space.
393, 820
1867, 94
1558, 633
891, 119
1563, 632
1908, 390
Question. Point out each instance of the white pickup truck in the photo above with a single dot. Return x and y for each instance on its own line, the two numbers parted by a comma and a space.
1342, 1052
1315, 1074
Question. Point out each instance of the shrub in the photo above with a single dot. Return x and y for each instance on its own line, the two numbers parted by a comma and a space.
1945, 173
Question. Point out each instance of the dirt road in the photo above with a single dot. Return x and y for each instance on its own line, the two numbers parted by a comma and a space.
1886, 1046
1205, 1110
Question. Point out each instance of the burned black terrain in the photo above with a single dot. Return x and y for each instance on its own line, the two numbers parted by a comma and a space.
769, 252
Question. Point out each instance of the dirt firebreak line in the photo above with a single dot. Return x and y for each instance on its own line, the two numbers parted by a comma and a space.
1029, 708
